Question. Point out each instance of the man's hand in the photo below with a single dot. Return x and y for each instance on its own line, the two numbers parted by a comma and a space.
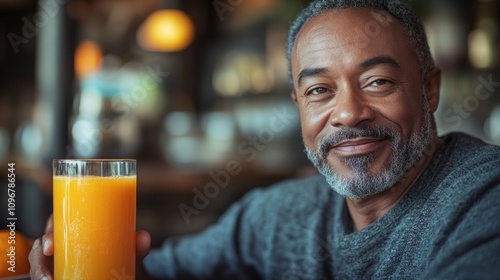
42, 260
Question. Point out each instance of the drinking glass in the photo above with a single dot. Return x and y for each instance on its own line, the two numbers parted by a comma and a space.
94, 218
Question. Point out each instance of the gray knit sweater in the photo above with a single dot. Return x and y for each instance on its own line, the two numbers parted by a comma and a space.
446, 227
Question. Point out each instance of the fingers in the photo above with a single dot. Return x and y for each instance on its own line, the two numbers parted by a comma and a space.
48, 244
40, 256
40, 264
143, 244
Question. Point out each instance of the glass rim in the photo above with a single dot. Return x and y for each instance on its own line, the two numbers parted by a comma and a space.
94, 167
93, 160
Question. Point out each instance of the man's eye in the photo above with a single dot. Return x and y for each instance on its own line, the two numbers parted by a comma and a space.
379, 82
318, 90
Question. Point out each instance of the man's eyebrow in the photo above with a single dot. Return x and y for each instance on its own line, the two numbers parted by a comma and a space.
310, 72
365, 64
379, 60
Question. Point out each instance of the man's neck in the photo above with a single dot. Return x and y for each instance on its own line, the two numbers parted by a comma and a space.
367, 210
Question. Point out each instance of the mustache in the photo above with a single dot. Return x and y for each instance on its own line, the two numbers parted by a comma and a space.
344, 134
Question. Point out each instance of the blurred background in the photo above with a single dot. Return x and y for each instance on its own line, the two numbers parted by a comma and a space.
191, 89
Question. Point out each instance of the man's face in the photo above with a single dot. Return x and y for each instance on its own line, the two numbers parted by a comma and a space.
357, 83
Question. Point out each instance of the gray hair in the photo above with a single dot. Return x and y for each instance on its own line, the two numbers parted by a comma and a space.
408, 19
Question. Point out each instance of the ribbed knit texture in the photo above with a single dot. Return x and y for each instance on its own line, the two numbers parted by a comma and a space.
446, 227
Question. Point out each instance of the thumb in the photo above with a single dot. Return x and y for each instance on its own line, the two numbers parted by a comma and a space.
143, 244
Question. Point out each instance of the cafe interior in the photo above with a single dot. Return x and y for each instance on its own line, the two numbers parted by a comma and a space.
197, 92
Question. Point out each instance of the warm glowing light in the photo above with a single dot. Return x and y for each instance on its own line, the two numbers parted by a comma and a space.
480, 50
88, 57
166, 31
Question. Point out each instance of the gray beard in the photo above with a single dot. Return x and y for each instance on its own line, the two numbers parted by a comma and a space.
362, 184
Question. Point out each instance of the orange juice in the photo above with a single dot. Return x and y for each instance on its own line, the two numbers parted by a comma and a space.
94, 227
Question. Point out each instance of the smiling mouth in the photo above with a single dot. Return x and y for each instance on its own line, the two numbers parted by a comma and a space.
358, 146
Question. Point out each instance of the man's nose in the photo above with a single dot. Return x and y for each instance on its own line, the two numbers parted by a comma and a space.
351, 108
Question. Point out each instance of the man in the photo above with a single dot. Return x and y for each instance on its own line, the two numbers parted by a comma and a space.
402, 202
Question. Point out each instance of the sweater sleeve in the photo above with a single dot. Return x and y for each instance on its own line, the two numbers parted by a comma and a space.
215, 253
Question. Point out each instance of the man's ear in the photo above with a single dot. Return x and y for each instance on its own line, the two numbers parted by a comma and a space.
432, 88
293, 95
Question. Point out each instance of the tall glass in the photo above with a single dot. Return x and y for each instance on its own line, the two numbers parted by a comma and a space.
94, 219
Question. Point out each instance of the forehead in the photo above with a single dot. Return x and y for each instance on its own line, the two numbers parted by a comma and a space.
350, 34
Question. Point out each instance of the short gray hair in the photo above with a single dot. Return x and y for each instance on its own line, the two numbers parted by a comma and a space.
408, 19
